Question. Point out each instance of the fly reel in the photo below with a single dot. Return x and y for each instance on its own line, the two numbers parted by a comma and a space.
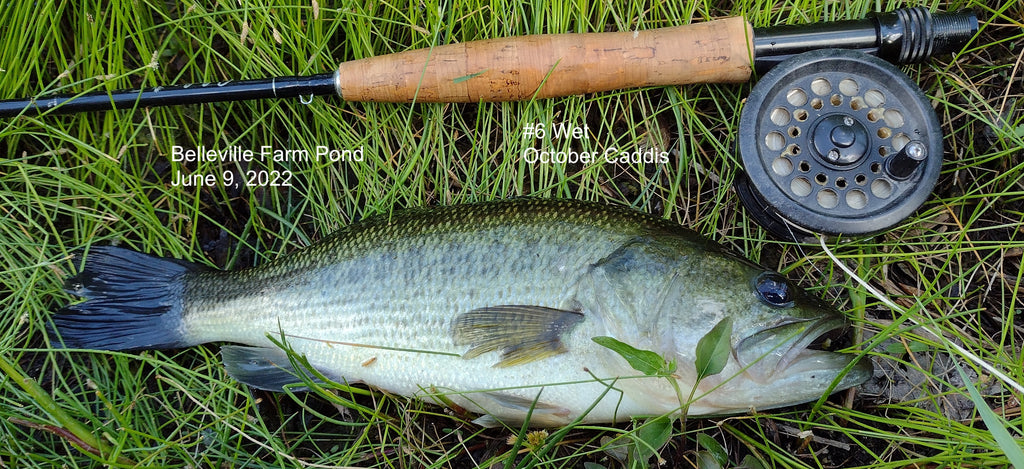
836, 142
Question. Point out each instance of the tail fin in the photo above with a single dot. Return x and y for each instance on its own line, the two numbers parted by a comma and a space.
133, 302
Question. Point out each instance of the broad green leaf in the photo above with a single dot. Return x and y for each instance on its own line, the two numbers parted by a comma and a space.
750, 462
713, 349
618, 449
706, 460
644, 361
650, 437
713, 448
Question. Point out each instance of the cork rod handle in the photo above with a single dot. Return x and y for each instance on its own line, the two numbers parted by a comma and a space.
552, 65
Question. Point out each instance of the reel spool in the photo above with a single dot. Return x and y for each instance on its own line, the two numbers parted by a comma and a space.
836, 142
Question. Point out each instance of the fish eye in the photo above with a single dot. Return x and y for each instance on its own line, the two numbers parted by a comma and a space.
773, 290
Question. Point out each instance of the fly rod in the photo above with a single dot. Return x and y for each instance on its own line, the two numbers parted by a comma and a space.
553, 65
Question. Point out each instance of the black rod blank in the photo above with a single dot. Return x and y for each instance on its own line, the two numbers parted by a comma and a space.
193, 93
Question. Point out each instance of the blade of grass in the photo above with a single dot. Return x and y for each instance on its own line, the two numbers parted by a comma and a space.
1009, 444
69, 428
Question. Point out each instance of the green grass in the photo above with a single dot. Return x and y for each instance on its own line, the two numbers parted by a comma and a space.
102, 178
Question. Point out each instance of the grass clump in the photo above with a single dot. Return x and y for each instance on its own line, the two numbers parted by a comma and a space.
103, 178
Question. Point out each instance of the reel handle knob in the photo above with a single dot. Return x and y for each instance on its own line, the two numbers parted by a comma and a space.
903, 164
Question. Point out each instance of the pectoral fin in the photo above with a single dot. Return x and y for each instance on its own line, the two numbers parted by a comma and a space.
521, 333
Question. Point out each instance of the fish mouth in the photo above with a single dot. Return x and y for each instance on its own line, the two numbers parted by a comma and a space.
797, 347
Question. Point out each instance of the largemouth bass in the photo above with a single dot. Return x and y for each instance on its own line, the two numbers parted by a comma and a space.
491, 307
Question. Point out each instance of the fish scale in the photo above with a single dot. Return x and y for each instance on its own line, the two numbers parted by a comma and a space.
495, 305
374, 293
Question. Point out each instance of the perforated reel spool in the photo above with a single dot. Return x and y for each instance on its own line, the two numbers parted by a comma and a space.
836, 142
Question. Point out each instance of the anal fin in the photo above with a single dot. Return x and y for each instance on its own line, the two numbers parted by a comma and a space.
542, 414
521, 333
266, 368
